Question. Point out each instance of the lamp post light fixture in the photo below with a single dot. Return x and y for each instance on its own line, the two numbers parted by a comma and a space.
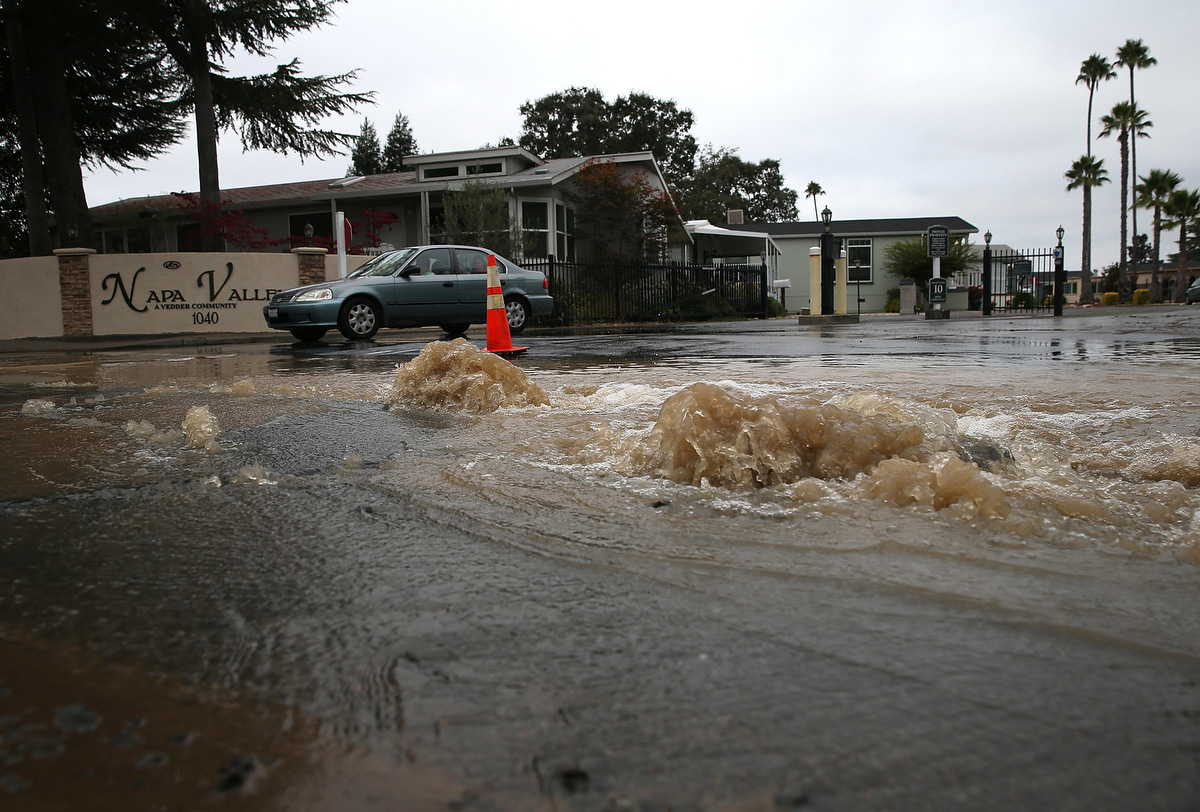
308, 233
826, 217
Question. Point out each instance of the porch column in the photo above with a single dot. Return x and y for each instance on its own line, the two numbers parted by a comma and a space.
839, 306
814, 280
74, 280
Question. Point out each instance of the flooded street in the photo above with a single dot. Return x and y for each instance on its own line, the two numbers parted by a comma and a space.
893, 565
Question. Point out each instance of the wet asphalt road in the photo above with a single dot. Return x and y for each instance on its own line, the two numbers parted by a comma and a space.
602, 681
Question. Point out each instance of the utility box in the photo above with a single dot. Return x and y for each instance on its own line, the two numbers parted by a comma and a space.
908, 296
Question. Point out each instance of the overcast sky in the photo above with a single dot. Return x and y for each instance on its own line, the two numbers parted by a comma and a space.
897, 109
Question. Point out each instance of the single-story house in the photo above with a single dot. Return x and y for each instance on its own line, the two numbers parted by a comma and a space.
291, 214
865, 243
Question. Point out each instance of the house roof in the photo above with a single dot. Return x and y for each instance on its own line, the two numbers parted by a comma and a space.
549, 172
274, 193
893, 226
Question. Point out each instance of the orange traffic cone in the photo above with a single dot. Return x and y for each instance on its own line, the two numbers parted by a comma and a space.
499, 339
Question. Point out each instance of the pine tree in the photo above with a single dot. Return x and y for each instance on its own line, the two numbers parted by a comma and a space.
400, 144
365, 158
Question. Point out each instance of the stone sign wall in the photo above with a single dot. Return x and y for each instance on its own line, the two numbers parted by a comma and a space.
81, 293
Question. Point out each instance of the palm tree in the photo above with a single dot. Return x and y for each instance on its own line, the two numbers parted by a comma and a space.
1086, 173
1094, 70
1133, 55
812, 190
1153, 193
1183, 209
1124, 119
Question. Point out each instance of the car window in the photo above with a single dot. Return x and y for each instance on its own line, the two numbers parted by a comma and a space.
435, 261
471, 260
384, 264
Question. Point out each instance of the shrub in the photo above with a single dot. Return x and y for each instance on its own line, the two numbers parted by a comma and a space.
774, 308
1111, 298
893, 301
1141, 296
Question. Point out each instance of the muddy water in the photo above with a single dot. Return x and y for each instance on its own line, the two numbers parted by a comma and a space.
869, 567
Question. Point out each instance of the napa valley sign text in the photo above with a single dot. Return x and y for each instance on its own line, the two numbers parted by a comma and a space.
201, 301
186, 293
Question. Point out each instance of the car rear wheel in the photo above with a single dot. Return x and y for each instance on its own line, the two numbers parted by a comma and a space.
309, 333
360, 320
455, 329
518, 314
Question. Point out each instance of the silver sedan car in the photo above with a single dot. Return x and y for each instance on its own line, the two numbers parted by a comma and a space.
432, 285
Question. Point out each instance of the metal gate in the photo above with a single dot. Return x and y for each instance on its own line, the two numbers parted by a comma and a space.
1021, 280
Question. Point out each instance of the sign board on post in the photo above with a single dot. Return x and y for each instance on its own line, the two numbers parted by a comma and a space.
937, 291
939, 241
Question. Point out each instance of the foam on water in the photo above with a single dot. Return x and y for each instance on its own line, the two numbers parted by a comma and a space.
202, 429
456, 376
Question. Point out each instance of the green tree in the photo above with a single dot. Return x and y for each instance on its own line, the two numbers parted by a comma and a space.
1124, 121
400, 144
1135, 56
477, 213
78, 90
813, 189
622, 216
909, 259
1086, 173
1183, 209
1094, 70
276, 111
366, 157
1153, 193
580, 122
723, 181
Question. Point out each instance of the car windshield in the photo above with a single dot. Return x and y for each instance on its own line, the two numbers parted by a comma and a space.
385, 264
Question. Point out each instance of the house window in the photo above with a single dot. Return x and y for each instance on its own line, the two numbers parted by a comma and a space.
484, 169
858, 260
535, 224
440, 172
322, 223
564, 227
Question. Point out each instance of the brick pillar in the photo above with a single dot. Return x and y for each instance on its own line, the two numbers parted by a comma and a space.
311, 262
74, 280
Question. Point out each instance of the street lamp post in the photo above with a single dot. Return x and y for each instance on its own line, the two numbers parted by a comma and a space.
828, 266
858, 283
1060, 275
986, 303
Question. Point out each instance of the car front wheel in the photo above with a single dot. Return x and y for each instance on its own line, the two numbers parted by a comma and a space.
360, 320
518, 314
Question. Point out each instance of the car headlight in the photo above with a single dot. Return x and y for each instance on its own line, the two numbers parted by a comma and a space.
320, 294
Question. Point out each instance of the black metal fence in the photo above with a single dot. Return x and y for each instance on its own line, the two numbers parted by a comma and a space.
1021, 280
596, 292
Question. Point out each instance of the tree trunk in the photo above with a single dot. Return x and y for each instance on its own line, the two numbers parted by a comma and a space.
1123, 266
37, 220
1155, 283
1181, 276
1085, 267
64, 168
206, 129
